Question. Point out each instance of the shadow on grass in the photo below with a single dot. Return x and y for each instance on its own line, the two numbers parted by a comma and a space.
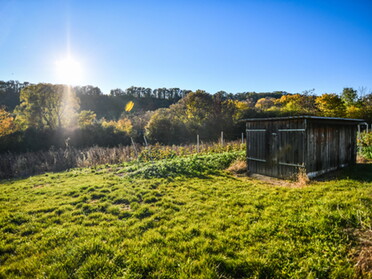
358, 172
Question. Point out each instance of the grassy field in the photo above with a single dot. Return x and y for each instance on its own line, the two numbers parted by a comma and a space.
151, 220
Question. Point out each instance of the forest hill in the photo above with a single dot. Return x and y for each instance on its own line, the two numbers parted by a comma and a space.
34, 117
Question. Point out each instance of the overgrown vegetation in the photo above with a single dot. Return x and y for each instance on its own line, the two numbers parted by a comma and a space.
197, 222
365, 145
194, 165
58, 159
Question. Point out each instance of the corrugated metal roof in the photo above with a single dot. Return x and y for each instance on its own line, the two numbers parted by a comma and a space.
303, 117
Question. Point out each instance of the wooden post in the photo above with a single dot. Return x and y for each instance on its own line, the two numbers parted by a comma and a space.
197, 143
134, 147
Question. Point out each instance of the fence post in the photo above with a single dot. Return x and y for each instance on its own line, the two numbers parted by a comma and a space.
242, 138
222, 138
197, 143
134, 147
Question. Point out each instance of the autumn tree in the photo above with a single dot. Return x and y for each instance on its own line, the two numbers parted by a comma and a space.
166, 128
297, 104
366, 101
122, 125
48, 106
7, 123
198, 105
265, 103
139, 122
349, 96
354, 105
198, 113
86, 118
330, 105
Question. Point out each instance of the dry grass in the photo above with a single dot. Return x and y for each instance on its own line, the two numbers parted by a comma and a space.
363, 160
273, 181
30, 163
299, 181
302, 178
363, 253
238, 167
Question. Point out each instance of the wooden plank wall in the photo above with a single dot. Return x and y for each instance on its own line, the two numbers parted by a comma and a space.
330, 146
285, 146
275, 149
291, 147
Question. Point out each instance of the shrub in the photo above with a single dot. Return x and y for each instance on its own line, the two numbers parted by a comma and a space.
365, 145
194, 165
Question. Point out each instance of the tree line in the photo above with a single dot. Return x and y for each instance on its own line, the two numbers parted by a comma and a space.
39, 116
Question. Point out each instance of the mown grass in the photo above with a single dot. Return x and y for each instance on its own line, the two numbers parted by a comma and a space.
114, 222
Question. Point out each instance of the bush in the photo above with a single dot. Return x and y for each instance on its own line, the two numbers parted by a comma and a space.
365, 144
194, 165
366, 152
365, 139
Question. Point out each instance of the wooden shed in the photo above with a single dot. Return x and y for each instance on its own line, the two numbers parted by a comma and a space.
281, 146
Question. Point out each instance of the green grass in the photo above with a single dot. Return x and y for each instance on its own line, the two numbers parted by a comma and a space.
124, 222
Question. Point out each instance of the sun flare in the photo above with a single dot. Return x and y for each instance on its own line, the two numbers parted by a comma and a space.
69, 71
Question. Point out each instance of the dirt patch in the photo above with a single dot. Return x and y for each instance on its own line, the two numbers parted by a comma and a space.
362, 254
275, 181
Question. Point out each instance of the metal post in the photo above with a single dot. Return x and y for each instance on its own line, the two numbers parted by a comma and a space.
197, 143
222, 138
242, 138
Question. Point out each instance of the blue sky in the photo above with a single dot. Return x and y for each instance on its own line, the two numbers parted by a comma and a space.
233, 46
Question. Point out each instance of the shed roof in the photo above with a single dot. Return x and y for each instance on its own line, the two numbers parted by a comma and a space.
347, 120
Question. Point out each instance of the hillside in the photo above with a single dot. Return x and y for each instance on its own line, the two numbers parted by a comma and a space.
120, 221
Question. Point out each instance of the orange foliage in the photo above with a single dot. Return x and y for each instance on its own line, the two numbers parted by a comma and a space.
7, 124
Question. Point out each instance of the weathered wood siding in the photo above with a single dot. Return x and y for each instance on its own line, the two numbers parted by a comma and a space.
276, 148
330, 145
282, 147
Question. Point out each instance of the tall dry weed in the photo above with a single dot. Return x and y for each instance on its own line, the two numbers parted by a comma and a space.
58, 159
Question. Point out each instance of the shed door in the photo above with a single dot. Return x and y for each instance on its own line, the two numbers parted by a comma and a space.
291, 147
275, 152
262, 151
256, 141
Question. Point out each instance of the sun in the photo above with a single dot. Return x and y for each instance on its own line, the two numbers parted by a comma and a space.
69, 71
